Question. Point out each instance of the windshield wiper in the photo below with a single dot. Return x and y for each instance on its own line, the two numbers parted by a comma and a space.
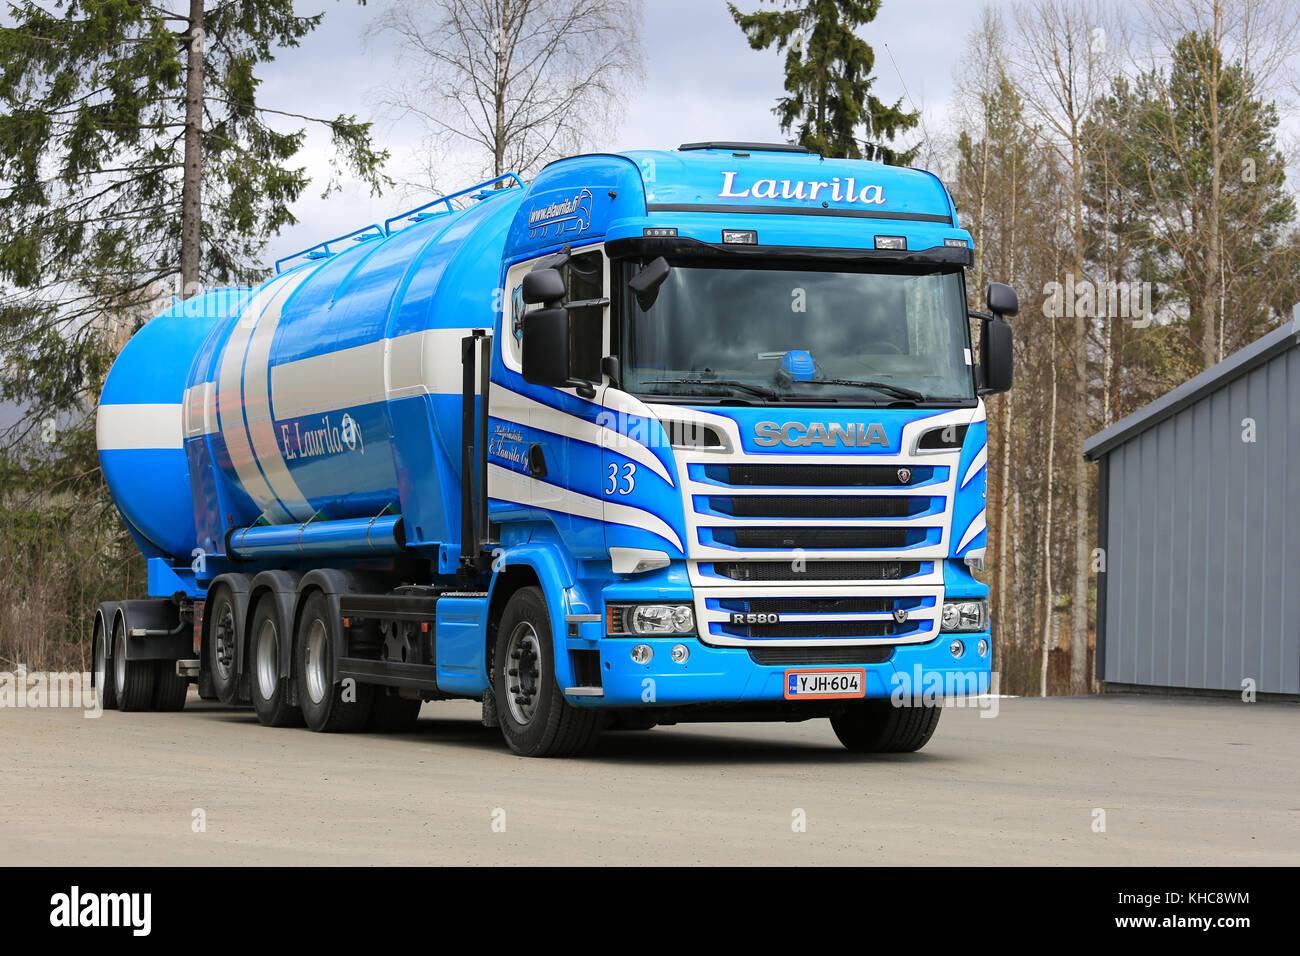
758, 390
899, 390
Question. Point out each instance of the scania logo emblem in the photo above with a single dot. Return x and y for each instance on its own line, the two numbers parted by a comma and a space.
900, 615
826, 434
904, 475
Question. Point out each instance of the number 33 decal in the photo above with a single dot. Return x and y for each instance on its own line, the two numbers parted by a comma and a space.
625, 486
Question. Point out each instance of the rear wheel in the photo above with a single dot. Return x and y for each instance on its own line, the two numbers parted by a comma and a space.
169, 689
104, 687
220, 644
268, 689
878, 727
536, 720
327, 706
133, 681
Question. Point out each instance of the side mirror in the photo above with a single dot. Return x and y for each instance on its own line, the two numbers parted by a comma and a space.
543, 286
1002, 299
546, 347
996, 357
646, 283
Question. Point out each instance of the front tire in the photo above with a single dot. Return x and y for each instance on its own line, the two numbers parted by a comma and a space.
133, 681
327, 706
880, 727
536, 720
267, 688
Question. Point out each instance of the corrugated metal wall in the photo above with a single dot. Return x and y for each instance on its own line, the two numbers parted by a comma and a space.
1202, 538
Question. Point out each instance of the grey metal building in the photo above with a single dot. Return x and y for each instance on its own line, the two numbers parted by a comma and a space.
1199, 522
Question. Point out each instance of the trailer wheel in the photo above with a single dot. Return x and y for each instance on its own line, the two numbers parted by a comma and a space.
104, 684
327, 706
392, 713
220, 643
169, 689
270, 691
536, 720
133, 680
879, 727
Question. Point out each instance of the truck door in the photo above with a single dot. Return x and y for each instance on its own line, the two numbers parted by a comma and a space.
553, 434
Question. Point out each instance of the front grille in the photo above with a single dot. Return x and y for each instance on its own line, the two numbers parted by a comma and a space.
816, 570
813, 656
814, 539
818, 506
805, 629
828, 605
818, 476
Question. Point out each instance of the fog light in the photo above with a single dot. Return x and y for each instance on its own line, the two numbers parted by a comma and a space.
982, 647
642, 653
681, 653
957, 648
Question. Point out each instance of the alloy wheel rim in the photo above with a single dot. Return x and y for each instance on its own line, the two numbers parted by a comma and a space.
316, 645
523, 673
119, 662
268, 671
225, 642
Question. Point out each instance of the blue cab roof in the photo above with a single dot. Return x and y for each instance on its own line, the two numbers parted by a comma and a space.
790, 200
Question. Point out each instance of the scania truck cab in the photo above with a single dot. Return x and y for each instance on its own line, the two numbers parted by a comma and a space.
663, 436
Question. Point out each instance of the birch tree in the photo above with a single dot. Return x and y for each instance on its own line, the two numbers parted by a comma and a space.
517, 83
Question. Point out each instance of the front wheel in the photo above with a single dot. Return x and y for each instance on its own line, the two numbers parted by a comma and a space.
880, 727
536, 720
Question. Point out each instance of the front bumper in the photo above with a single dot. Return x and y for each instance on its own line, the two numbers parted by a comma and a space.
914, 672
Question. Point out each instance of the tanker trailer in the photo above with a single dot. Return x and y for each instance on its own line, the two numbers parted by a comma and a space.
662, 436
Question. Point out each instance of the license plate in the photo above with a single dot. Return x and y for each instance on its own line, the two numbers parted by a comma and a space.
825, 684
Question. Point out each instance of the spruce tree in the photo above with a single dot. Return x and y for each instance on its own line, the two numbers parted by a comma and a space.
828, 78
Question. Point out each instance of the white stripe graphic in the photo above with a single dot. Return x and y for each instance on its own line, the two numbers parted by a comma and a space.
976, 526
421, 363
508, 485
201, 410
976, 464
138, 427
230, 403
257, 404
525, 411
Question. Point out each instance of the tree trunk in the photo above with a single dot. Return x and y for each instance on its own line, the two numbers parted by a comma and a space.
191, 186
1082, 469
1047, 529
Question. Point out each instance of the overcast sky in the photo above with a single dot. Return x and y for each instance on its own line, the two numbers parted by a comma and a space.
702, 82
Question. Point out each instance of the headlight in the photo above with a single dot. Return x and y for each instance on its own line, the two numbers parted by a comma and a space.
629, 620
965, 615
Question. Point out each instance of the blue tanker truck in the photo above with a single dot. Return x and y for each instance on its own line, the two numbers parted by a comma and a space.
661, 436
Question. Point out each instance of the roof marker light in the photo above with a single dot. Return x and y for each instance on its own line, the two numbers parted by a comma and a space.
739, 237
891, 242
660, 232
959, 243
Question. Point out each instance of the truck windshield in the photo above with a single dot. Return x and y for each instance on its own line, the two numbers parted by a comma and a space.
873, 335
